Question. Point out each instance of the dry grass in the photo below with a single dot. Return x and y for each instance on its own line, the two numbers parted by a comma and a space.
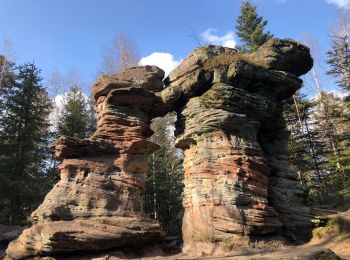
235, 242
332, 228
245, 243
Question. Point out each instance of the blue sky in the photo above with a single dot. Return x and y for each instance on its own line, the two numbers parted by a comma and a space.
66, 34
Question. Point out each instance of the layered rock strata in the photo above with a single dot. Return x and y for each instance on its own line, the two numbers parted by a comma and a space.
97, 202
230, 126
231, 129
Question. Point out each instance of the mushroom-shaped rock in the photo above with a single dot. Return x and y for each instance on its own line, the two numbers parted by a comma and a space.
97, 204
277, 63
230, 126
146, 77
284, 54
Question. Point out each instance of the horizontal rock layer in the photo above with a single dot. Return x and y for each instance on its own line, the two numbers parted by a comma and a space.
91, 234
231, 129
97, 202
230, 126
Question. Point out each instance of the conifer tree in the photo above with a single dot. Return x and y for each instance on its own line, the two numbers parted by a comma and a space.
250, 28
163, 195
334, 127
339, 109
339, 60
299, 155
305, 150
77, 116
23, 146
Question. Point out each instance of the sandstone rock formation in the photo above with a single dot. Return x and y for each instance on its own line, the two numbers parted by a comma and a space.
230, 126
97, 203
231, 129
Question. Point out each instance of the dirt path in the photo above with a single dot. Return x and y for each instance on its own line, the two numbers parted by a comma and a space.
339, 245
338, 242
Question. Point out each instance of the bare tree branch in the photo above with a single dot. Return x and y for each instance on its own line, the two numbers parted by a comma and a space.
120, 55
195, 38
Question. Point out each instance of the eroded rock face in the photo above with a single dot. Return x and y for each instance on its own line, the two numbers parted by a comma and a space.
230, 126
284, 54
97, 202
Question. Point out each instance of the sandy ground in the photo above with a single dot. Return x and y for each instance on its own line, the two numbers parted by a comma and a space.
338, 244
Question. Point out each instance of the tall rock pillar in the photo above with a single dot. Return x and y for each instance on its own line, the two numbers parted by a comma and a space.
230, 126
97, 203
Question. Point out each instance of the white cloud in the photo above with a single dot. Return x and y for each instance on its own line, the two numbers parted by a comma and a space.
340, 3
226, 40
163, 60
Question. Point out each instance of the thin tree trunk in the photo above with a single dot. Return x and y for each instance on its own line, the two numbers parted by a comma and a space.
154, 189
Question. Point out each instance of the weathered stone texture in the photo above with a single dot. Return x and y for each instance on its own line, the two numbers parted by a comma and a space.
230, 126
97, 202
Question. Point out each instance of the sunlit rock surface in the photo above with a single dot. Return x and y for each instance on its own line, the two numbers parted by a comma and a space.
97, 202
231, 129
230, 126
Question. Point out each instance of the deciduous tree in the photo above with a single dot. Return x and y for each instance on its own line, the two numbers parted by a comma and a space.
119, 55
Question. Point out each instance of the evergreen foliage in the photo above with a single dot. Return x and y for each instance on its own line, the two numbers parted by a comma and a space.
77, 117
250, 28
339, 60
305, 151
339, 111
333, 124
319, 146
163, 195
24, 140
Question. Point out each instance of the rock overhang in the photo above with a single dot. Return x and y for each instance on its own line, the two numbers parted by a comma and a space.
276, 65
231, 129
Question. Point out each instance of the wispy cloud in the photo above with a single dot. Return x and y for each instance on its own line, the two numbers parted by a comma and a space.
226, 40
340, 3
163, 60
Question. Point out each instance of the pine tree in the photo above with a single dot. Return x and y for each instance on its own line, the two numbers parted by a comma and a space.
339, 110
299, 155
305, 150
163, 195
250, 28
24, 146
339, 60
77, 117
333, 124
